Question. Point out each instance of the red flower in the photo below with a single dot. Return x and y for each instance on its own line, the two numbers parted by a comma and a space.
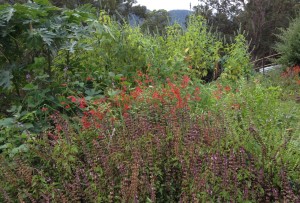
227, 88
89, 78
140, 73
44, 109
236, 106
73, 99
185, 81
155, 95
196, 94
126, 107
92, 112
125, 115
84, 120
52, 136
82, 103
58, 128
137, 92
67, 107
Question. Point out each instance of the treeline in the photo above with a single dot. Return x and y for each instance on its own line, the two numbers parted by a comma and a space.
261, 19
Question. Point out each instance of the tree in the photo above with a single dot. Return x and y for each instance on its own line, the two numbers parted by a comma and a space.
261, 19
221, 15
289, 44
156, 22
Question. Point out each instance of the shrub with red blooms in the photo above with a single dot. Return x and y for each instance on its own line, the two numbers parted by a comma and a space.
144, 145
292, 72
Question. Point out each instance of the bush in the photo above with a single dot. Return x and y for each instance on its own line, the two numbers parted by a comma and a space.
159, 143
289, 44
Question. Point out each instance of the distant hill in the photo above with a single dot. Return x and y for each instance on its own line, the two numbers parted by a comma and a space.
179, 16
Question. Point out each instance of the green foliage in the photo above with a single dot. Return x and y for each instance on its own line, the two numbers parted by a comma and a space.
266, 124
157, 150
108, 113
156, 22
288, 45
237, 62
32, 35
194, 47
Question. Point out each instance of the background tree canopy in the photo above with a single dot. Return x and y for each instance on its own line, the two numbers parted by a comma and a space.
259, 18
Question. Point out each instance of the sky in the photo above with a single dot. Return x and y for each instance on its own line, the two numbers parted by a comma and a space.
168, 4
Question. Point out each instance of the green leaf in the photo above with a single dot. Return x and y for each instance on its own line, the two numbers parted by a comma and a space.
6, 122
92, 92
5, 146
43, 2
5, 79
30, 86
6, 14
21, 148
28, 125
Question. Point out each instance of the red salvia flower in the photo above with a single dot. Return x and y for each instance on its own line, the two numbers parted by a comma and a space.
89, 78
185, 81
82, 103
44, 109
58, 127
85, 122
73, 99
227, 89
137, 92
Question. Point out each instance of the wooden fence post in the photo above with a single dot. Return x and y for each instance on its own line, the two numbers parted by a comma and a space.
263, 65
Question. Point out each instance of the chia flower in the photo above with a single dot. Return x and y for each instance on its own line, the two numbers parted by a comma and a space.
28, 77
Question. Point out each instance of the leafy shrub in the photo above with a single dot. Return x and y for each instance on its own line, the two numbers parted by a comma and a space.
237, 60
151, 143
289, 43
196, 46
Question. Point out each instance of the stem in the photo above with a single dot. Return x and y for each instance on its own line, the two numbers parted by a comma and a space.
7, 60
68, 58
49, 63
16, 86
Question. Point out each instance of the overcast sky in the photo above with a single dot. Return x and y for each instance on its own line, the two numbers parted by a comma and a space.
168, 4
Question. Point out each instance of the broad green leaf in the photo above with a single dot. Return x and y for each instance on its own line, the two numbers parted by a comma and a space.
5, 146
30, 86
21, 148
5, 79
6, 122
